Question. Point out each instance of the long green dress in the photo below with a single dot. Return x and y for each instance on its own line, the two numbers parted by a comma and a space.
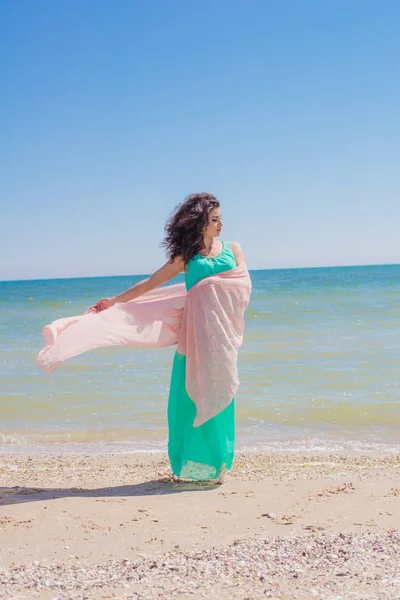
199, 452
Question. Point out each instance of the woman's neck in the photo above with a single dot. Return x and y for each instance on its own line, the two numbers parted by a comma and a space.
208, 243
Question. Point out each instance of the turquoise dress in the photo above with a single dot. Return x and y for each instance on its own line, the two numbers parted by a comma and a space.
199, 452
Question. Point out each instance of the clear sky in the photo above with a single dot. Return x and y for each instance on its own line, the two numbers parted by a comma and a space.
112, 112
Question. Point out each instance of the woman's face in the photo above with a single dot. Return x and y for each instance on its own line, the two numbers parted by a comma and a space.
214, 223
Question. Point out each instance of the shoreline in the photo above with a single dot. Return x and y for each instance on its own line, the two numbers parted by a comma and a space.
353, 448
266, 440
84, 526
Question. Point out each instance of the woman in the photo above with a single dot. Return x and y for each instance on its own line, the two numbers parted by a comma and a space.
205, 452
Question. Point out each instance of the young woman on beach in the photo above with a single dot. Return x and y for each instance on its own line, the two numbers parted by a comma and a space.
204, 452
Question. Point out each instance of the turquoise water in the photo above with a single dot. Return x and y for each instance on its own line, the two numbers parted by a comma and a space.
319, 368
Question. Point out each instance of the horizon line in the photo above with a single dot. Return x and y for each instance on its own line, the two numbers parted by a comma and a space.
250, 270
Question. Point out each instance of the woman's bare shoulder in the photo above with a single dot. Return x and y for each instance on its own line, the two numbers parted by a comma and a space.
237, 253
235, 245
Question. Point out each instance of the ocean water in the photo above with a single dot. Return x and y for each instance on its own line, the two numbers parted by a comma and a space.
319, 368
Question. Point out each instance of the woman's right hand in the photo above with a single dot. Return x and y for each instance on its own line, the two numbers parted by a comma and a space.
102, 304
167, 272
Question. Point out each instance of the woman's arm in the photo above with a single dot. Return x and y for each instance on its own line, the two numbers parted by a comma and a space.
167, 272
237, 253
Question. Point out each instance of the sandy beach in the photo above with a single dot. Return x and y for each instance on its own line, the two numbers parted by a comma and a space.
116, 526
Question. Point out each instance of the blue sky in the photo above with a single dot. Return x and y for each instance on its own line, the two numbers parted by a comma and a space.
112, 112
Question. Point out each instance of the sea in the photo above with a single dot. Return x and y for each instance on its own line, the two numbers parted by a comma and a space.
319, 369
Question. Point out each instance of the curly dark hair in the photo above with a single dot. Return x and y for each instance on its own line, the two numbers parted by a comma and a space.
184, 230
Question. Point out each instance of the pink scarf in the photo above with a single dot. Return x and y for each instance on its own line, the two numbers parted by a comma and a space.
206, 323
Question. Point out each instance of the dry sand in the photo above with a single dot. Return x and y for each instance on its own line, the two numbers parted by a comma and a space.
116, 526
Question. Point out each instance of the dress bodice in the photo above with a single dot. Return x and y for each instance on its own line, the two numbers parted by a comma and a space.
200, 266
